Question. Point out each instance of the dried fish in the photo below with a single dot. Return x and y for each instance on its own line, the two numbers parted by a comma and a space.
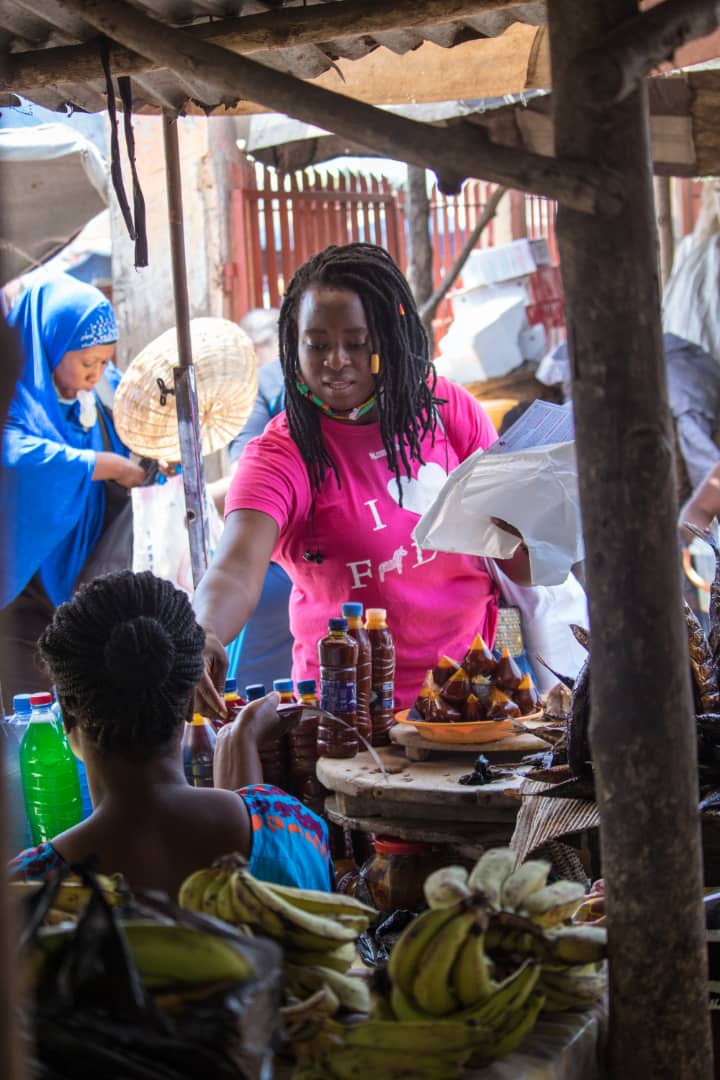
565, 679
582, 636
578, 725
714, 609
701, 664
710, 802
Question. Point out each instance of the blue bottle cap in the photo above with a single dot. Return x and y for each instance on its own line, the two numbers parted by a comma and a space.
307, 686
231, 686
257, 690
283, 686
337, 624
352, 610
21, 703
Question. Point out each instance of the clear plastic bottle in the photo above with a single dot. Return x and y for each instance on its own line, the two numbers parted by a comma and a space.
13, 729
198, 748
382, 704
353, 612
303, 750
87, 806
51, 787
338, 653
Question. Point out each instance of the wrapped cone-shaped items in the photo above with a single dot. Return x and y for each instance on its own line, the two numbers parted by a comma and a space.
457, 688
526, 696
445, 668
500, 706
507, 675
473, 710
479, 660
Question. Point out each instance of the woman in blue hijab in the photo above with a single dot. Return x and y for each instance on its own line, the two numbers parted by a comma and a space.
58, 447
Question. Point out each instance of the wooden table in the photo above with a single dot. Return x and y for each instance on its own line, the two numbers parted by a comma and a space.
420, 800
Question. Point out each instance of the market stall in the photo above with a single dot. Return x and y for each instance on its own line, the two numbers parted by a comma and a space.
601, 178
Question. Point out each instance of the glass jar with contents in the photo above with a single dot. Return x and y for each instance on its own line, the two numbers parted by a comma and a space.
396, 873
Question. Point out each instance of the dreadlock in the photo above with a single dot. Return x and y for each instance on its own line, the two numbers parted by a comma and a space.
406, 382
125, 654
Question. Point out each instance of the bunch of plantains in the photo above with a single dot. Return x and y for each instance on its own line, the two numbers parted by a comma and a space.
468, 978
316, 930
124, 990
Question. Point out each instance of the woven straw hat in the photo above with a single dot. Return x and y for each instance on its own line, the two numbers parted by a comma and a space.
144, 410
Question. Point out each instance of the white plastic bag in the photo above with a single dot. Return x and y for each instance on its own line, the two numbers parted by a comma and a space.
160, 536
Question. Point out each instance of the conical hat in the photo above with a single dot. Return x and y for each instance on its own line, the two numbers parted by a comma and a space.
144, 412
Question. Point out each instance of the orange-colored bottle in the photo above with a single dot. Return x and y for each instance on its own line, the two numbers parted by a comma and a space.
338, 653
353, 613
198, 749
382, 702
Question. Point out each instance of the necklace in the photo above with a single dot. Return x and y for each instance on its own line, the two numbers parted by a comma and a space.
354, 414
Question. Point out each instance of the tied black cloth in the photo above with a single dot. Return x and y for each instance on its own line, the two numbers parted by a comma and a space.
136, 225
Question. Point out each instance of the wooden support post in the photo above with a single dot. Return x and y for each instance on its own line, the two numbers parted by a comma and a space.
420, 249
664, 223
642, 725
185, 389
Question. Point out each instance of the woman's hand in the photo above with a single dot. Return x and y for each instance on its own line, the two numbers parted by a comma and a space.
209, 699
517, 567
236, 762
109, 466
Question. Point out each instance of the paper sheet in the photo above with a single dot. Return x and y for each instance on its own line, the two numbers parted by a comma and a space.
529, 479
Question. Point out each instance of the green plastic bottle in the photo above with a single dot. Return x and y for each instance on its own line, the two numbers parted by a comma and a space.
51, 787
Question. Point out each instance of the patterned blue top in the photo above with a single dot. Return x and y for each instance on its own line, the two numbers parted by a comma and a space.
289, 844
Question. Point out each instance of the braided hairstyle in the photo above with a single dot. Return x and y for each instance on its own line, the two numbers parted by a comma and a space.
406, 382
125, 654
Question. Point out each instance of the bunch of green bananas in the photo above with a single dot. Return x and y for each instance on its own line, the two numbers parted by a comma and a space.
71, 896
317, 931
166, 955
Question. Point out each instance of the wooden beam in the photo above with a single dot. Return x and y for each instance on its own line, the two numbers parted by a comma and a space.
281, 29
453, 153
643, 736
611, 71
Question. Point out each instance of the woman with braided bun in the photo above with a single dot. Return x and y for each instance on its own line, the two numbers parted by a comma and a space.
336, 484
125, 655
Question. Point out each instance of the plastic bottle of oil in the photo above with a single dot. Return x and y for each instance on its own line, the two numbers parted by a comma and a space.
338, 654
353, 612
382, 703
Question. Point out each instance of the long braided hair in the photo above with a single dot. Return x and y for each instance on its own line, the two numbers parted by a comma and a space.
405, 384
125, 654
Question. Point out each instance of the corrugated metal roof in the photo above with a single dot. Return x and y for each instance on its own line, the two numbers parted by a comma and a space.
31, 25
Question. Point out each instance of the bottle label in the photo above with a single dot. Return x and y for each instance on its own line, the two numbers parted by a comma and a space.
382, 696
338, 697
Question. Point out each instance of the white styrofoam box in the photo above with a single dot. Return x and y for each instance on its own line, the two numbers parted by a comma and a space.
533, 342
483, 340
486, 266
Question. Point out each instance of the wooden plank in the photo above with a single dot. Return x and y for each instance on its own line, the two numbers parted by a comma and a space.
642, 732
285, 244
279, 29
470, 839
271, 264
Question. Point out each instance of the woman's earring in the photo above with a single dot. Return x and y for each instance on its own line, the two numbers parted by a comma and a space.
375, 364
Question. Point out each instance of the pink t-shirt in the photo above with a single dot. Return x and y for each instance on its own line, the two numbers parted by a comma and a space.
435, 601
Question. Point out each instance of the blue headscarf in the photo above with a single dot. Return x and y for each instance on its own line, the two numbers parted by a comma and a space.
52, 512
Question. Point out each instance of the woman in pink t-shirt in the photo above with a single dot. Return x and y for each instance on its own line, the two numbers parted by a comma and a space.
335, 486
